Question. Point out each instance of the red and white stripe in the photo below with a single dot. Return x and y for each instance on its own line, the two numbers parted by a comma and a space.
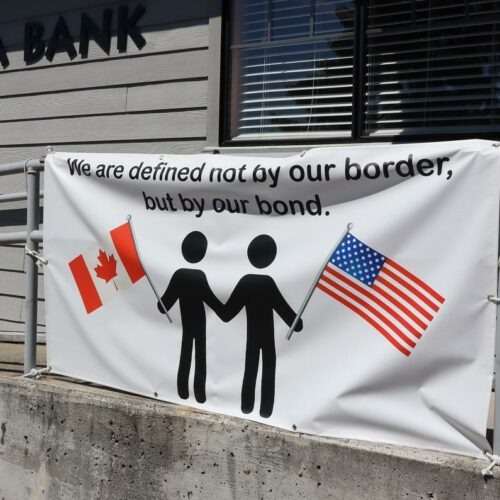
399, 305
94, 292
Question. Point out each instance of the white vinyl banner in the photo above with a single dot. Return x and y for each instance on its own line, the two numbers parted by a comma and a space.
380, 257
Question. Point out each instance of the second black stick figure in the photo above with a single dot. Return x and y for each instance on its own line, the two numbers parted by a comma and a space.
260, 296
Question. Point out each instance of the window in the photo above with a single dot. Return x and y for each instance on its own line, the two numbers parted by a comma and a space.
351, 70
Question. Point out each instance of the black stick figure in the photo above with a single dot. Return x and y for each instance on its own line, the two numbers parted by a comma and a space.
190, 287
261, 297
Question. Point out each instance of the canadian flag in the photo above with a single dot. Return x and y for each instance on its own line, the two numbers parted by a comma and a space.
103, 271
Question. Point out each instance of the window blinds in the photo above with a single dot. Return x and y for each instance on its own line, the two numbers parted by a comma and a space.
424, 68
291, 68
432, 67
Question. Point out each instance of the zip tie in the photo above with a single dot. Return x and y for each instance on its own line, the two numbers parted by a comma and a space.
37, 374
495, 460
40, 260
493, 299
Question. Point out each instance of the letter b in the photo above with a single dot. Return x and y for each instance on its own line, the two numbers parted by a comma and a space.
264, 206
349, 167
34, 46
149, 201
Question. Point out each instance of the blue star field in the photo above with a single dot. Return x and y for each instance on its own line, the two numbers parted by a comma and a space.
358, 259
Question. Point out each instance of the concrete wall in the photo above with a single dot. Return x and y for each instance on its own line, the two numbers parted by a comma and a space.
64, 441
151, 100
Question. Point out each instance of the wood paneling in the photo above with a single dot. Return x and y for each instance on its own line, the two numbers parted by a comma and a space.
86, 102
12, 284
11, 183
106, 128
113, 72
12, 258
173, 95
12, 310
18, 153
161, 39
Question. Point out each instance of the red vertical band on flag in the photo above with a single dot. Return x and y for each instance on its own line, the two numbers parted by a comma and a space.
85, 284
124, 244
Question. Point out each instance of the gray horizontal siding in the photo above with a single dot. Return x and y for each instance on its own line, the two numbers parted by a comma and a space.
12, 284
175, 95
148, 101
12, 314
11, 183
163, 26
13, 219
93, 102
164, 96
169, 38
174, 146
12, 289
12, 259
107, 73
120, 127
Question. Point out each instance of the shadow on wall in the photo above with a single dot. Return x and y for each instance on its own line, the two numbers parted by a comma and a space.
15, 217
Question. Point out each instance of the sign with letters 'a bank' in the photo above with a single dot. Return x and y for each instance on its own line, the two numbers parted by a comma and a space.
339, 292
41, 43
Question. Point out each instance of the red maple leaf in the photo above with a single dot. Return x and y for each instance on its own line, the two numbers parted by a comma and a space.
106, 269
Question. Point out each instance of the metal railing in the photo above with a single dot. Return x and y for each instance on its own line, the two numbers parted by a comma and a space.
31, 238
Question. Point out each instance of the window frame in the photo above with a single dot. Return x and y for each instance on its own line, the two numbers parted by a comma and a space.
358, 102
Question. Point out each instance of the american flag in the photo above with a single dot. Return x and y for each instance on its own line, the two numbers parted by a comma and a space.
395, 302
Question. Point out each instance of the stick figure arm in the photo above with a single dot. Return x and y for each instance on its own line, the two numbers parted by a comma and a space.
169, 298
234, 304
286, 313
214, 303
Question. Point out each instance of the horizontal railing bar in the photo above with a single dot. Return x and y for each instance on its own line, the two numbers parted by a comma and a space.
20, 167
13, 237
21, 236
5, 198
37, 236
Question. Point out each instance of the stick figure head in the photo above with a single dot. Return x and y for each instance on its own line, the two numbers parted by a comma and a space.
194, 247
262, 251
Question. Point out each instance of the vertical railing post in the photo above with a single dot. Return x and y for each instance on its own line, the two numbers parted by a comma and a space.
31, 301
496, 430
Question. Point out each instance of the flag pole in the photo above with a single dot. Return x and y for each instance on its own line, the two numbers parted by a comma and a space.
129, 221
315, 282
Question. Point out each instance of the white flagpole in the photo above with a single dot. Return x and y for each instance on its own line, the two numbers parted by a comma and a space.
129, 220
315, 282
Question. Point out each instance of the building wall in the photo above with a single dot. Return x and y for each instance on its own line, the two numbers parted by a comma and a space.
152, 100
